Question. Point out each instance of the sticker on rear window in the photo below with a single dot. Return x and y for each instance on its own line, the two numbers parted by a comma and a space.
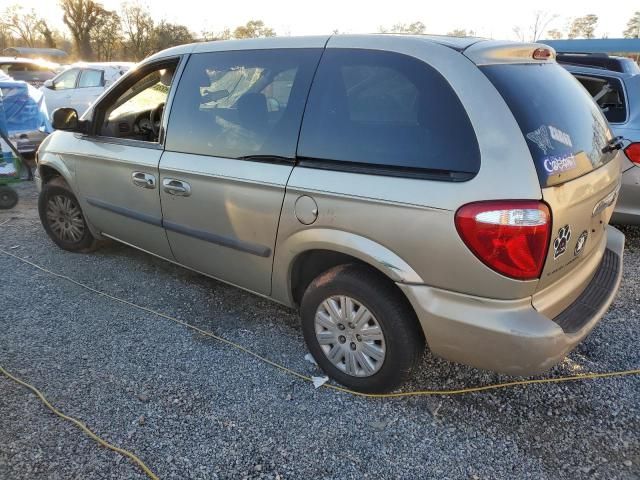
559, 164
560, 136
541, 137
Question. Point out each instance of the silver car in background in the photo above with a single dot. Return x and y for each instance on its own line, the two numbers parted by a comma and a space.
618, 95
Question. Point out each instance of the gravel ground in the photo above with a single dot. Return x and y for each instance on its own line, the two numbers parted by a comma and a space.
192, 408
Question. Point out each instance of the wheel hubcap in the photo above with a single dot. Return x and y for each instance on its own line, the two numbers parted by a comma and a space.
65, 218
350, 336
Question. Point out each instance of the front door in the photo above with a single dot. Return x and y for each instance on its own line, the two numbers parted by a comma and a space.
117, 165
230, 149
90, 86
59, 93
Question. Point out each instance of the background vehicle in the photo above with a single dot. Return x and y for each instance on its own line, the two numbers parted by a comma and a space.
447, 189
33, 72
600, 60
80, 84
25, 119
617, 92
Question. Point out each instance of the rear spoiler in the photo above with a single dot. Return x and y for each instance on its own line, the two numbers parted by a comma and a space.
493, 52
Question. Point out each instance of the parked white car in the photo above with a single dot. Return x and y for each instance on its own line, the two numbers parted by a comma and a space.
80, 84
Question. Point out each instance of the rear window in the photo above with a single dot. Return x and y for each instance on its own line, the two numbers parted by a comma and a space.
608, 94
386, 113
563, 127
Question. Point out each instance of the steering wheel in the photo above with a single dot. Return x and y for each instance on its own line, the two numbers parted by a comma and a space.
156, 116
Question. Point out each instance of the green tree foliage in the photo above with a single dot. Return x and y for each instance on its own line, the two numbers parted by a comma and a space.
461, 32
81, 18
138, 28
166, 35
416, 28
253, 29
555, 34
47, 34
633, 27
22, 23
107, 38
583, 27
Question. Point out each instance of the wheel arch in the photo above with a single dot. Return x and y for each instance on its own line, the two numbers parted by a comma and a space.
51, 166
307, 253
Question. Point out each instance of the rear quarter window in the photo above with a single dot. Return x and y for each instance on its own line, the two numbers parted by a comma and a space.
563, 127
388, 113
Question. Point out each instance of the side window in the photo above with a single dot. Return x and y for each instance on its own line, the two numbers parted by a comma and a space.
384, 109
34, 67
90, 78
242, 103
66, 79
134, 110
608, 94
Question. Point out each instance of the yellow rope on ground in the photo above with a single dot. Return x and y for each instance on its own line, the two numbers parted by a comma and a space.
460, 391
82, 426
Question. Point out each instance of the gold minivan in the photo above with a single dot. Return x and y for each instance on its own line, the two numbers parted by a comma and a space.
396, 189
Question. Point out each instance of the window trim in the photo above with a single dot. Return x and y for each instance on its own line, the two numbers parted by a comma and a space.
75, 83
608, 78
385, 170
138, 73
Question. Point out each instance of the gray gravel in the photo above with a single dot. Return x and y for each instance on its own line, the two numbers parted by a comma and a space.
192, 408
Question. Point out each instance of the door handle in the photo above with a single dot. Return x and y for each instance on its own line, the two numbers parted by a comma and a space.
144, 180
176, 187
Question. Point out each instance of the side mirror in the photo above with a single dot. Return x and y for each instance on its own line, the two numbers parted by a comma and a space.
49, 84
67, 119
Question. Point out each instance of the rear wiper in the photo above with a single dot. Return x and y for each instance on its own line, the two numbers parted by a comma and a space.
616, 143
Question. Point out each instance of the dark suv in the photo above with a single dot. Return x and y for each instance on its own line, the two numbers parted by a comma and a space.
600, 60
30, 71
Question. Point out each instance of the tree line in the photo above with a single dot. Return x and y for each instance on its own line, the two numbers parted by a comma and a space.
538, 28
130, 33
93, 33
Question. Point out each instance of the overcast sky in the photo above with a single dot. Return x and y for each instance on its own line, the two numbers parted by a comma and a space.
489, 18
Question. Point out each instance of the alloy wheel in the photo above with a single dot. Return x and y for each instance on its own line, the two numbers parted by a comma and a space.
65, 218
350, 336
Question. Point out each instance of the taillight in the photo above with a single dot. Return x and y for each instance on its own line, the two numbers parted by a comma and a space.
633, 152
509, 236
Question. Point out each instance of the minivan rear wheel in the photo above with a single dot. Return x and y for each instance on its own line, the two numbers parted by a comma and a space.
62, 218
360, 329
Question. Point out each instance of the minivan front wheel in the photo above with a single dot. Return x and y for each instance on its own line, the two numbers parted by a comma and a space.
360, 330
62, 218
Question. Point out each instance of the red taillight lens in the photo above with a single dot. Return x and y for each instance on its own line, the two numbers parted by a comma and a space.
511, 237
633, 152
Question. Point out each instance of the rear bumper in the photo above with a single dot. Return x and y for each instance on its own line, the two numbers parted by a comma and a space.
511, 336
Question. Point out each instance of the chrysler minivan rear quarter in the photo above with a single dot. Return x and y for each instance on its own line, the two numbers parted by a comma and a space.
396, 189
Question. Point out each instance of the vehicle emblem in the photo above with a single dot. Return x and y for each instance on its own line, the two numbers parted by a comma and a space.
582, 241
606, 202
541, 138
561, 241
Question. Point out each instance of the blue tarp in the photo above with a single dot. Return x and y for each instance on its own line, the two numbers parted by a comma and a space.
595, 45
22, 108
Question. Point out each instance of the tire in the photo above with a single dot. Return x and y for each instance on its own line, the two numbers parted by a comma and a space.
8, 197
398, 335
62, 218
